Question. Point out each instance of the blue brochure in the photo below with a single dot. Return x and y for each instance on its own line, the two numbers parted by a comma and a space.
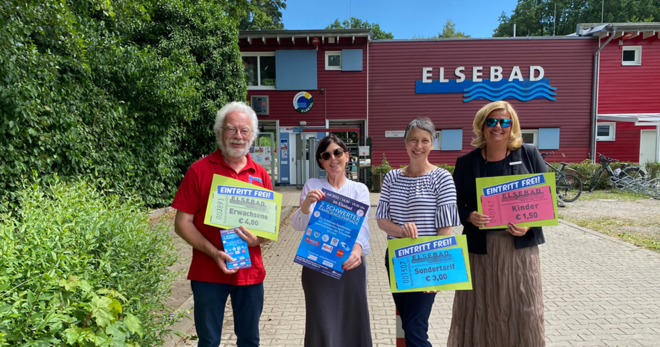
236, 248
331, 233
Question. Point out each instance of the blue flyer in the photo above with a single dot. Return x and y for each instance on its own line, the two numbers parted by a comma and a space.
331, 233
236, 248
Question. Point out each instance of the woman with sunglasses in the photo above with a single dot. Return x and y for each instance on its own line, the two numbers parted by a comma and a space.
505, 306
418, 200
337, 310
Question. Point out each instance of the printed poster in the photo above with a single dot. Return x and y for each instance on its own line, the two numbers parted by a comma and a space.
429, 263
331, 233
233, 203
525, 200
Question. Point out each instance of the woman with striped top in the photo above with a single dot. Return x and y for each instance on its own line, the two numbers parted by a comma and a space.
418, 200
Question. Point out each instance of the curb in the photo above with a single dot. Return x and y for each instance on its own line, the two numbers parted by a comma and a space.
187, 322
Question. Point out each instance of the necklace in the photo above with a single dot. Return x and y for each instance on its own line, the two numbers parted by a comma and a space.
503, 162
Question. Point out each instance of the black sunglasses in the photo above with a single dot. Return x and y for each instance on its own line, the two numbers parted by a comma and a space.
504, 123
338, 153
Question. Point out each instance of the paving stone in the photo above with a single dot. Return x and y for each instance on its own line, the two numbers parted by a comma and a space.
598, 291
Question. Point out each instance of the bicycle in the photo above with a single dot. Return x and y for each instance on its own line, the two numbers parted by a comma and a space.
621, 178
568, 185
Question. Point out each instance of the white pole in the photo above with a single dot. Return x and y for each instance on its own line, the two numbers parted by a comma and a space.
514, 29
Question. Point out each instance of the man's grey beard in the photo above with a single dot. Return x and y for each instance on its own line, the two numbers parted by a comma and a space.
232, 152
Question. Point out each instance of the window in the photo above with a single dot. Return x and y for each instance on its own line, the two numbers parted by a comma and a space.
605, 131
631, 55
259, 70
438, 140
333, 60
530, 136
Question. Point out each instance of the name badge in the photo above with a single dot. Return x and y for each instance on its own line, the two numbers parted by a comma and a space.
515, 163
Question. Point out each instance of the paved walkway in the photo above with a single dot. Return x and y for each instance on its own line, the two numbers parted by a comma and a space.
598, 291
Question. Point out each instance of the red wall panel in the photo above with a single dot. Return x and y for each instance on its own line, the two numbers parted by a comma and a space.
629, 89
625, 146
396, 65
345, 94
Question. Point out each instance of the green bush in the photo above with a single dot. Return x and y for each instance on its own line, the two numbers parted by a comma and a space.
447, 167
383, 168
652, 170
78, 268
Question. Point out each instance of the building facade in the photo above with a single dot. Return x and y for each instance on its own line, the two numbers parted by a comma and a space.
305, 84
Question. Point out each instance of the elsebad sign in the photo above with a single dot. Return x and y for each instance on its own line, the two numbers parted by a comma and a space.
303, 102
496, 87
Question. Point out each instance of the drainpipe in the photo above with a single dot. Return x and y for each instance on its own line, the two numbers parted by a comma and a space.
594, 96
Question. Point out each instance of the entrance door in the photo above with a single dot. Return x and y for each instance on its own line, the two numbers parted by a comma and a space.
647, 146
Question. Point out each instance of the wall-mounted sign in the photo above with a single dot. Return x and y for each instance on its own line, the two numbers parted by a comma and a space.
303, 102
494, 88
364, 150
395, 133
259, 104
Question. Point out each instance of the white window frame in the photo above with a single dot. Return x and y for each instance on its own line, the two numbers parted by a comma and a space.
534, 132
258, 55
341, 60
612, 135
438, 138
638, 55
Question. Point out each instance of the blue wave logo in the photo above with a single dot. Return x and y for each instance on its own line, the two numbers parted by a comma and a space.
510, 91
525, 90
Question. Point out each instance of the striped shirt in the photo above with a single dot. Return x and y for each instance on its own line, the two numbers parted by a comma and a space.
429, 201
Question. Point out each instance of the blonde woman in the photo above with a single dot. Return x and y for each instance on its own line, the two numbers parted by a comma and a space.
505, 307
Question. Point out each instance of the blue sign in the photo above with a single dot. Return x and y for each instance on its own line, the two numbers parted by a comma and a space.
522, 90
514, 185
331, 233
431, 268
303, 102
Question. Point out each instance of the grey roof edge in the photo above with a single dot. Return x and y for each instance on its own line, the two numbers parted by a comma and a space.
316, 32
491, 38
595, 28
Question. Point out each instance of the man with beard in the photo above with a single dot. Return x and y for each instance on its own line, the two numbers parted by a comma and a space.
235, 127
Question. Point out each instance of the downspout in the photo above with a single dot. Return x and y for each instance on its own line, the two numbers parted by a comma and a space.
366, 124
594, 96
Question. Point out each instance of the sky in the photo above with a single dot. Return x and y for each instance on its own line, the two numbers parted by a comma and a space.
404, 19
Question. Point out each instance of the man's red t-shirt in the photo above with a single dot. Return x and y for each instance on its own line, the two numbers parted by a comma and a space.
192, 198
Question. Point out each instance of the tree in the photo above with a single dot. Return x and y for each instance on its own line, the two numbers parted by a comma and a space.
449, 32
561, 17
262, 15
356, 23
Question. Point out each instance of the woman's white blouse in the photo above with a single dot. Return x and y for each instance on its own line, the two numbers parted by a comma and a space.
354, 190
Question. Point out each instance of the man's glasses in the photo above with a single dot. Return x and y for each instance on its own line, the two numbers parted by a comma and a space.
338, 153
232, 131
504, 123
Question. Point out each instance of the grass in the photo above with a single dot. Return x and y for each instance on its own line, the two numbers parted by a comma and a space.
612, 227
610, 195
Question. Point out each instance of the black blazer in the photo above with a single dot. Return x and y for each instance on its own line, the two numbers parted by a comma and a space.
468, 167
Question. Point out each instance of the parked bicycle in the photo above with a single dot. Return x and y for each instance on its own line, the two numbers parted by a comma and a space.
621, 177
569, 185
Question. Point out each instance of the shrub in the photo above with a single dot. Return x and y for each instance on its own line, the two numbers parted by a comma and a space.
652, 170
447, 167
78, 268
383, 168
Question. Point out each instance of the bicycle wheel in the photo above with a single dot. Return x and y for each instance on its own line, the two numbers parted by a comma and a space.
569, 187
634, 172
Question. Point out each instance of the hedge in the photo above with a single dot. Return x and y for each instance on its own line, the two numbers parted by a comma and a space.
80, 268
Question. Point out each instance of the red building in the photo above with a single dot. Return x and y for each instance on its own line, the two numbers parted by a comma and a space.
628, 118
304, 84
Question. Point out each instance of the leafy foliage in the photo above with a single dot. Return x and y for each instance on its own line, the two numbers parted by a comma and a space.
356, 23
449, 32
383, 168
543, 17
122, 91
263, 15
68, 255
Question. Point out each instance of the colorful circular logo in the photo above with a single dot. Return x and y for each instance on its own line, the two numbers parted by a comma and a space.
303, 102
